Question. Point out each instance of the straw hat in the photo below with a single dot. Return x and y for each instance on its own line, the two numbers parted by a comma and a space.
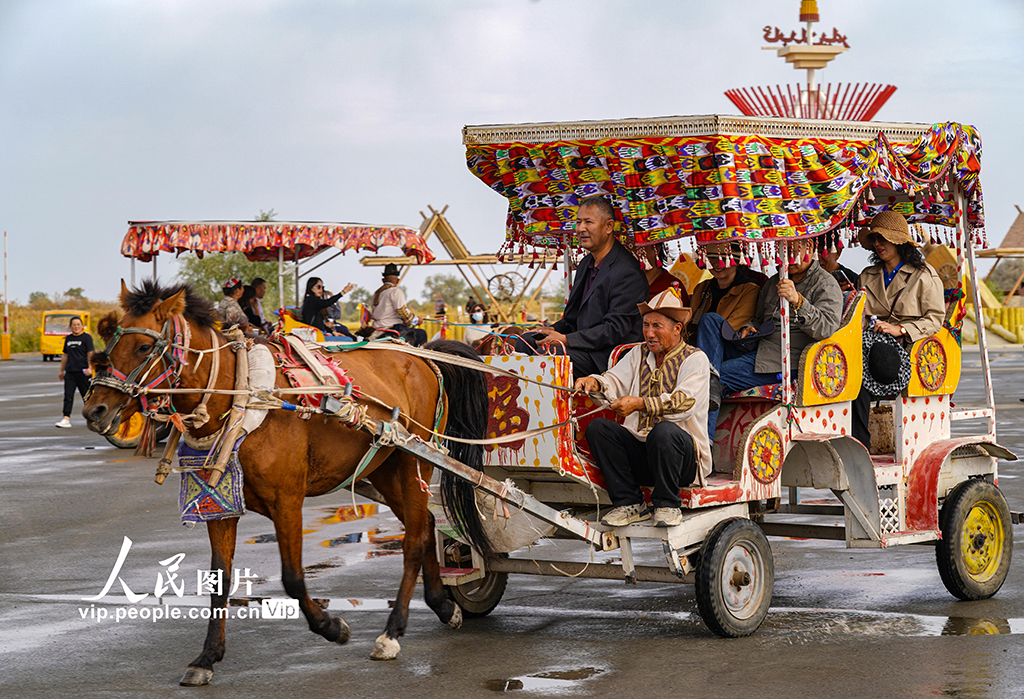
891, 226
668, 303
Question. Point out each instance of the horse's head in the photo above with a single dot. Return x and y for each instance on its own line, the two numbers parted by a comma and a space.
137, 353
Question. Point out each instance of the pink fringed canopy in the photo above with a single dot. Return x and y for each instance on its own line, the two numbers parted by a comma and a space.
261, 240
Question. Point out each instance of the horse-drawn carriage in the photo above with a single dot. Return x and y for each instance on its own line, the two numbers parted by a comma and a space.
513, 466
763, 183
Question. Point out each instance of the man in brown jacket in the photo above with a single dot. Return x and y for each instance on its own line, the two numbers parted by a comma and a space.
730, 296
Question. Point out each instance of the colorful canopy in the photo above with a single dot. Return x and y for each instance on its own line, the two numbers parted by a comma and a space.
261, 241
725, 182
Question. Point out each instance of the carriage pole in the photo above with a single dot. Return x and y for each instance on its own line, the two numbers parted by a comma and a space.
5, 340
280, 277
966, 252
787, 390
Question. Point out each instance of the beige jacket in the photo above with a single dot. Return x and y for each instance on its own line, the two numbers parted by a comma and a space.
920, 307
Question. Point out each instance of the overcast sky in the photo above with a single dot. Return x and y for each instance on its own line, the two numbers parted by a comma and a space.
332, 110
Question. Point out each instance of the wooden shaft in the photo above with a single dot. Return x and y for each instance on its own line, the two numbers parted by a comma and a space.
172, 445
237, 401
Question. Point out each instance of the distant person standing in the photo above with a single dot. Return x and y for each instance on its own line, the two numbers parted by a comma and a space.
74, 367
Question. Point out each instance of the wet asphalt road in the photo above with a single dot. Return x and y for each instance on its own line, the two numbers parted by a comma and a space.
844, 623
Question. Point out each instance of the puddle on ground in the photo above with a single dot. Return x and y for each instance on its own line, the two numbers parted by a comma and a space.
347, 513
382, 540
550, 682
865, 623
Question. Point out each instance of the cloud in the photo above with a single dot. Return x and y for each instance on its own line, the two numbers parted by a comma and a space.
353, 110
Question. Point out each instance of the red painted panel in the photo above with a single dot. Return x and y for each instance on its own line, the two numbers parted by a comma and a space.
922, 483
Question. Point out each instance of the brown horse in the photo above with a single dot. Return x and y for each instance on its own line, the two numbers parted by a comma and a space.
288, 459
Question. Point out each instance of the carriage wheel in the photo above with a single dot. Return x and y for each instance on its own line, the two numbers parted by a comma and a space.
128, 435
735, 578
501, 286
977, 541
479, 597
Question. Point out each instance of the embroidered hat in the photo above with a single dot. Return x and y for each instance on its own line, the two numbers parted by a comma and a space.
886, 364
669, 302
232, 283
390, 270
891, 226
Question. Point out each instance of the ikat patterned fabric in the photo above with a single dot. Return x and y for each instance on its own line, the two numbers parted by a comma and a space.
728, 187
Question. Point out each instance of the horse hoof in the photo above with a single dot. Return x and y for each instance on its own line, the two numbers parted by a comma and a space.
456, 621
196, 677
344, 632
386, 648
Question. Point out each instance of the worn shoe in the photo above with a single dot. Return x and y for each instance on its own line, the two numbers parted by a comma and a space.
626, 514
64, 422
668, 516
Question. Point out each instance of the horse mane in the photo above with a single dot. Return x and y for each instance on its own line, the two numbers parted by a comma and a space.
141, 300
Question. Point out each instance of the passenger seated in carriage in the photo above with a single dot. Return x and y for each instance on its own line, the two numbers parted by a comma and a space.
902, 291
314, 308
815, 307
830, 247
660, 387
601, 312
658, 277
391, 313
729, 297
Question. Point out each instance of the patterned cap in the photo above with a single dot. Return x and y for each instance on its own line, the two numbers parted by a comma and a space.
670, 303
232, 283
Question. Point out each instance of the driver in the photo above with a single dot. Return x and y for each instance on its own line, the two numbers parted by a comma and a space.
601, 312
661, 389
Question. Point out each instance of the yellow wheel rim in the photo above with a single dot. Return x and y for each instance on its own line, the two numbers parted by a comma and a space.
131, 429
981, 542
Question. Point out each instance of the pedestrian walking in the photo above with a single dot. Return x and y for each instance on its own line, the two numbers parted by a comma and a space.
74, 367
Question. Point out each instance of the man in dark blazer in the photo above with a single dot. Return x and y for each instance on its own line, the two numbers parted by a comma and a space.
601, 313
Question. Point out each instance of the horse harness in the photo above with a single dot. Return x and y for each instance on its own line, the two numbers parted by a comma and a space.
169, 352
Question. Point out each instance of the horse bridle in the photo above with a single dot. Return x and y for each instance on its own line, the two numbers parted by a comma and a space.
170, 338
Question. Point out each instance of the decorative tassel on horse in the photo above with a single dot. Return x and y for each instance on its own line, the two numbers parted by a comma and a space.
147, 441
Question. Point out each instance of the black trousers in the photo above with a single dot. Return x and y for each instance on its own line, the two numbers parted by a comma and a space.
582, 363
667, 461
860, 412
72, 380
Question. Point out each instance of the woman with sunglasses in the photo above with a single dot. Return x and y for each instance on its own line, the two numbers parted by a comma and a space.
314, 307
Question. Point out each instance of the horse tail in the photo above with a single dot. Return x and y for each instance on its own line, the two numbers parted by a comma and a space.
468, 412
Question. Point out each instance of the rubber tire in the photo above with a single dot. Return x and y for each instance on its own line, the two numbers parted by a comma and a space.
711, 572
478, 598
949, 551
131, 441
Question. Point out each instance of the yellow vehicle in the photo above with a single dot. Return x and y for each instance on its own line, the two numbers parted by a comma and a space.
53, 329
131, 432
